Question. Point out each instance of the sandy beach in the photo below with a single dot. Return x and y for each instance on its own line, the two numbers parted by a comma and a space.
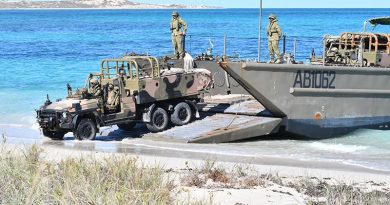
265, 180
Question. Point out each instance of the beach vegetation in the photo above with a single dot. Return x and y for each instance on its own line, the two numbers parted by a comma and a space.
3, 138
28, 179
325, 192
210, 174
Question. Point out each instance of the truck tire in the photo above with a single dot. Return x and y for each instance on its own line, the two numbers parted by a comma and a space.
127, 126
58, 135
159, 120
86, 130
182, 114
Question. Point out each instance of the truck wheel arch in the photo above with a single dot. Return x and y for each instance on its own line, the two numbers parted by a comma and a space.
93, 116
194, 108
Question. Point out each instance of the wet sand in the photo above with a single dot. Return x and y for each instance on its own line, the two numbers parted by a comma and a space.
112, 141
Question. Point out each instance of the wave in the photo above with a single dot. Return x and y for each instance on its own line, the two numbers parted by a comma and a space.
34, 126
11, 125
339, 148
368, 165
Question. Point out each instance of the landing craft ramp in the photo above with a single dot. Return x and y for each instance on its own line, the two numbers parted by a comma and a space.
224, 120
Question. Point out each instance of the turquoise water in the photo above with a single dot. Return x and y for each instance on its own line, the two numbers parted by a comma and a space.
42, 50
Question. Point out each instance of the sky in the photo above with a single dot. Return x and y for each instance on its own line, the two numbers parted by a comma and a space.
279, 3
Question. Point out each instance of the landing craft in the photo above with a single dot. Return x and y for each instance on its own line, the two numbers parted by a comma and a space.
348, 88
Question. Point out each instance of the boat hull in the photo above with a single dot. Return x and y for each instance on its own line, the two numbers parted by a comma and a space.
318, 101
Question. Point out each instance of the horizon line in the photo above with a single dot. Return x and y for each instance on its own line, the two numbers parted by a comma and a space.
303, 8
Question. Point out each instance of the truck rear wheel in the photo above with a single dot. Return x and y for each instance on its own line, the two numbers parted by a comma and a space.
86, 130
159, 120
182, 114
54, 135
127, 126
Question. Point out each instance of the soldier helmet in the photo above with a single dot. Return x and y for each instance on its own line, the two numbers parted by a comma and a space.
272, 16
94, 81
175, 13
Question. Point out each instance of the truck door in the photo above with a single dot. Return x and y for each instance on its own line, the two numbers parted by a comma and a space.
127, 79
127, 108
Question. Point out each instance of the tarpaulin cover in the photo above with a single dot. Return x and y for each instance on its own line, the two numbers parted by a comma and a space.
380, 21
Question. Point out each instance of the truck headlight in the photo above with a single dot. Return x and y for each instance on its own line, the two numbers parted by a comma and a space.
63, 117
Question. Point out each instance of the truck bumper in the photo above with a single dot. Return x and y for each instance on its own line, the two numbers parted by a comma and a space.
53, 121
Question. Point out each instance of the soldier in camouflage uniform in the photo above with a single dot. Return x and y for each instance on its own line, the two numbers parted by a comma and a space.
113, 97
274, 33
178, 29
95, 89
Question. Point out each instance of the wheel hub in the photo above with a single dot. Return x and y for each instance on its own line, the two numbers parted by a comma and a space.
86, 131
159, 120
183, 114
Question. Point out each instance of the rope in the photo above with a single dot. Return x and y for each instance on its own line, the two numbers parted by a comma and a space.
252, 38
236, 115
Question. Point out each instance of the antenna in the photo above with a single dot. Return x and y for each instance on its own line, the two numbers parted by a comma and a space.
260, 25
211, 43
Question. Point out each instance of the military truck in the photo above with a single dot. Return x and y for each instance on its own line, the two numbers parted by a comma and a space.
126, 91
357, 49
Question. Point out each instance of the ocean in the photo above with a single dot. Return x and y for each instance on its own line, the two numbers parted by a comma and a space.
42, 50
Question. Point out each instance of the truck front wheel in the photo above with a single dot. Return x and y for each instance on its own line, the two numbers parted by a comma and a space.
159, 120
86, 130
54, 135
182, 114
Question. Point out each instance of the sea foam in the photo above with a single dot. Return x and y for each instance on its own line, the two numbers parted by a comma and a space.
339, 148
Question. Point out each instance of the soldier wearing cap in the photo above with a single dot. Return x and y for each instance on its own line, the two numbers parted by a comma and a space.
178, 29
274, 33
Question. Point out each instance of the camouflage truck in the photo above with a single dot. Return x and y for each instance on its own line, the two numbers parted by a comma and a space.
129, 90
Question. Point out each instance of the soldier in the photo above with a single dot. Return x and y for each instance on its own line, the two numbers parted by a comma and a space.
113, 97
178, 29
274, 33
95, 89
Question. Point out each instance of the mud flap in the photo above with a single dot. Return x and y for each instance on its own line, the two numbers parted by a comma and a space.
193, 105
146, 116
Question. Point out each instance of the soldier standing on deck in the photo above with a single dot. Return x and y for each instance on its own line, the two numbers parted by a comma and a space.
274, 33
178, 29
